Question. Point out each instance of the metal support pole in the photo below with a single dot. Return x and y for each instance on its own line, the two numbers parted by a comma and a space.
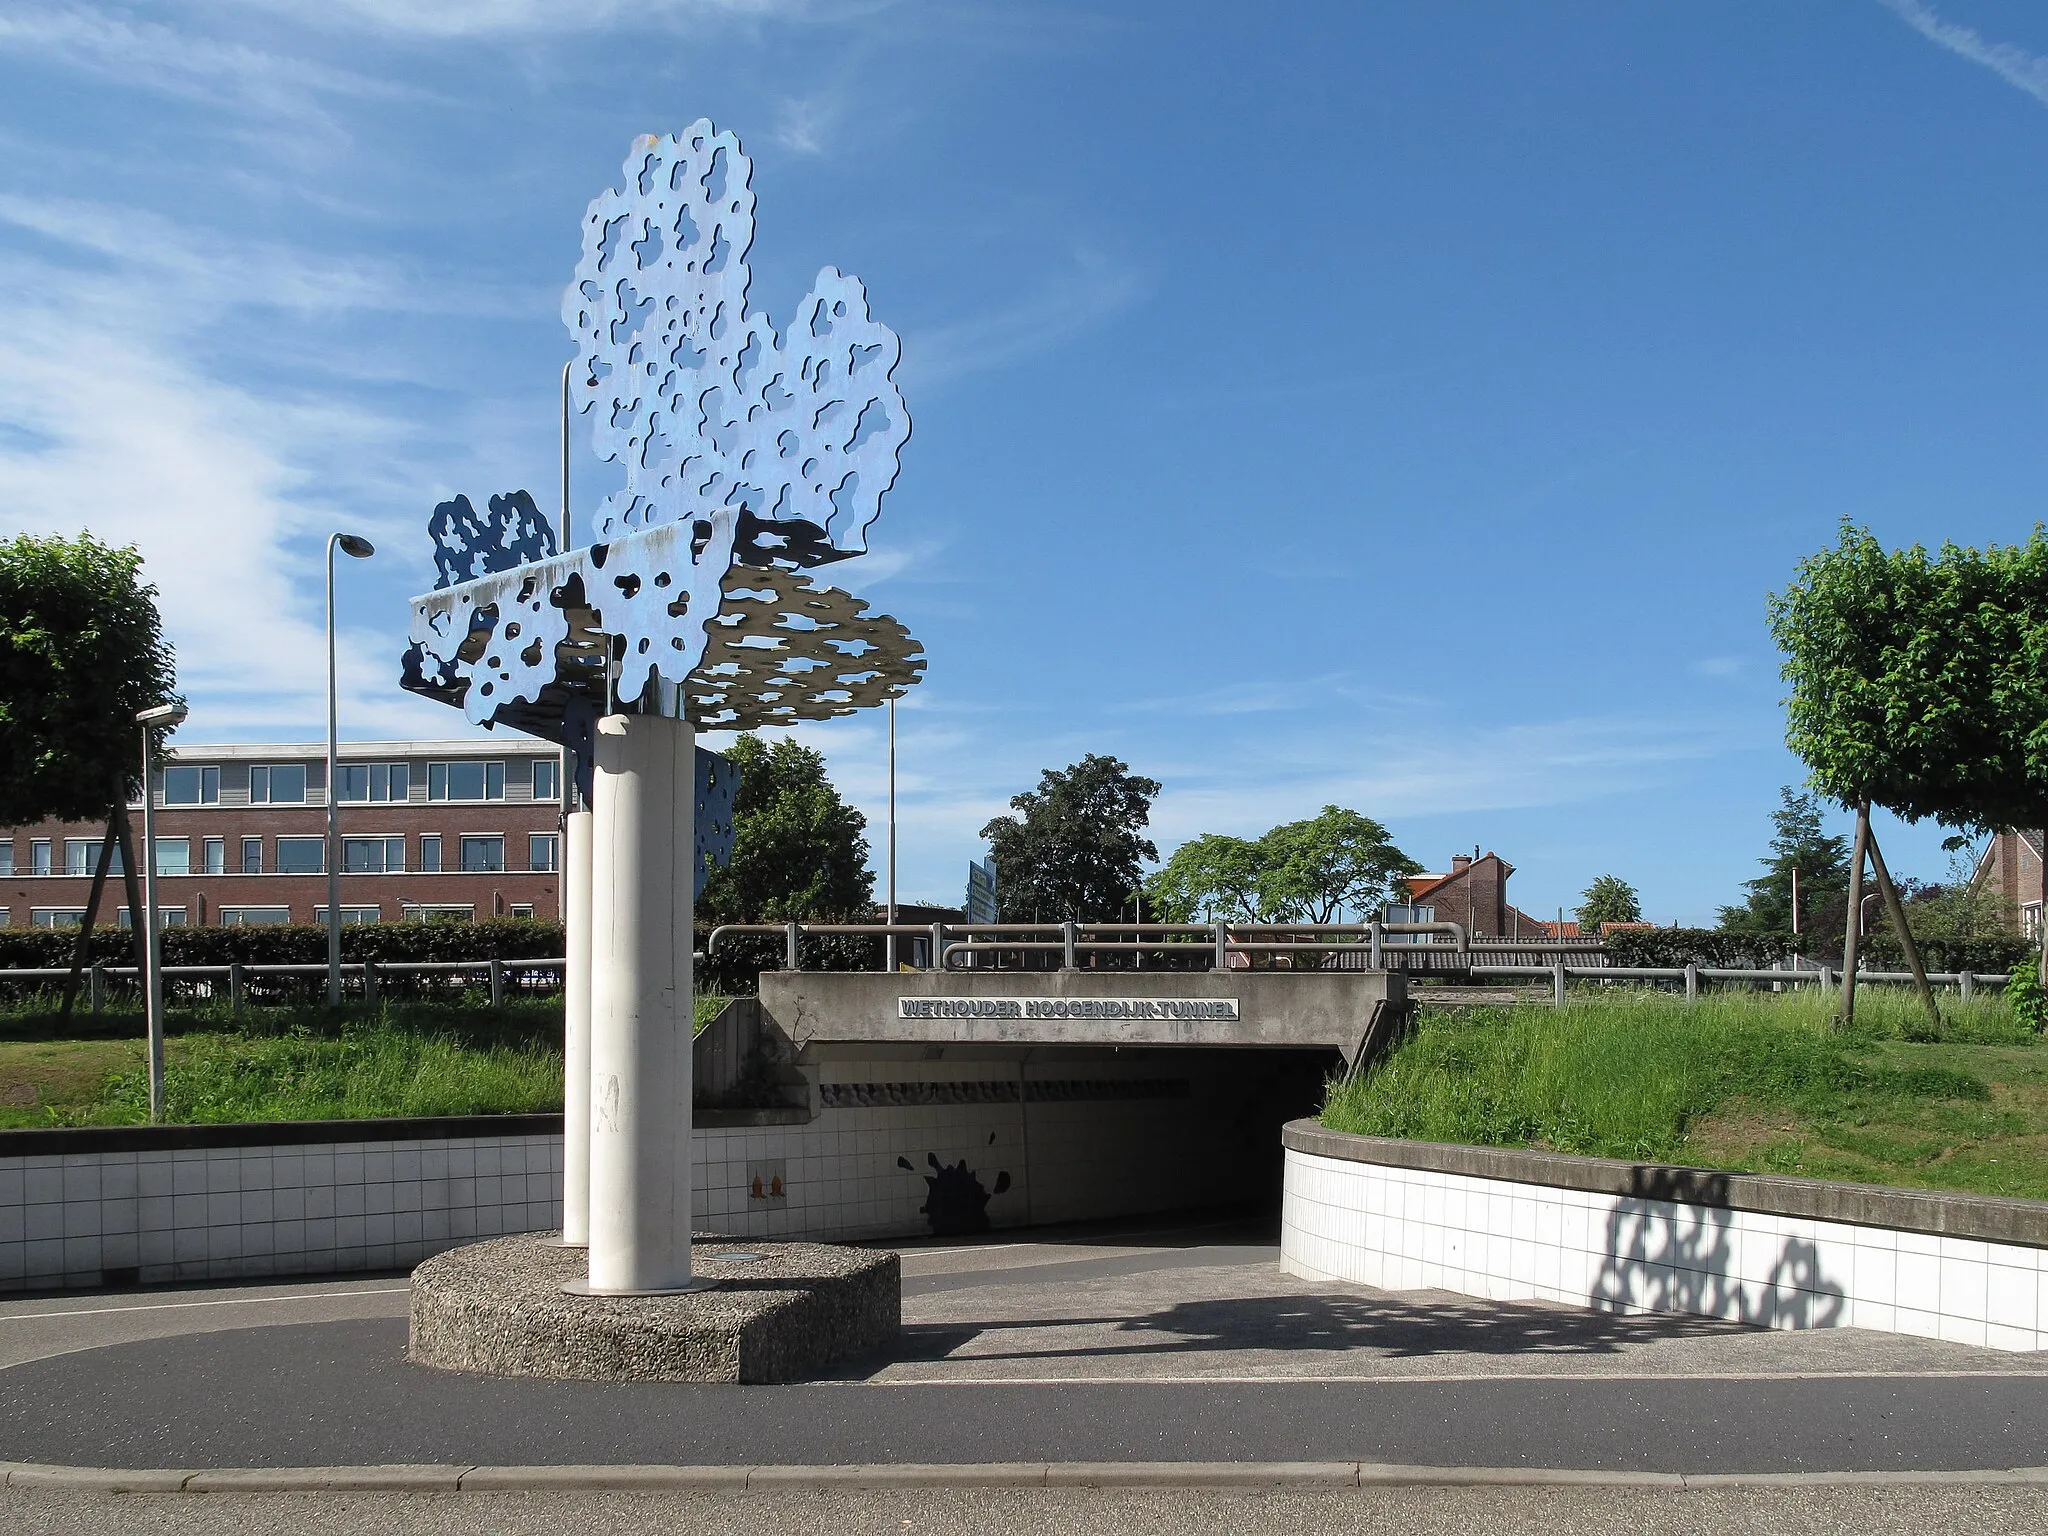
1222, 947
1847, 1011
369, 981
938, 947
497, 983
152, 951
1966, 983
1692, 982
1379, 940
791, 961
890, 946
1557, 981
96, 982
333, 850
640, 1006
235, 989
576, 909
1068, 936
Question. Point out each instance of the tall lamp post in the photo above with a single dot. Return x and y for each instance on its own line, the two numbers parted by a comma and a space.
163, 717
890, 946
358, 549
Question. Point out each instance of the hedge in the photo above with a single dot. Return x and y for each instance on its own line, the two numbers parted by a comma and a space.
1710, 947
1998, 954
506, 938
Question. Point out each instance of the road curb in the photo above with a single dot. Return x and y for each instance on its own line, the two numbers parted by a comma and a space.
1068, 1474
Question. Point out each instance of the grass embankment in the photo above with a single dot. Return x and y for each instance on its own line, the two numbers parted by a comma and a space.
303, 1063
1758, 1082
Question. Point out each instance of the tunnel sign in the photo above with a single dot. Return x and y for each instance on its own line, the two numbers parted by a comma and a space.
1109, 1008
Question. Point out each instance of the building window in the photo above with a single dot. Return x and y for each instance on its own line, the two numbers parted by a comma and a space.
351, 917
214, 856
430, 852
81, 855
439, 912
174, 855
482, 855
39, 856
277, 784
252, 855
186, 785
372, 783
255, 917
520, 909
301, 855
56, 917
541, 851
372, 855
465, 781
166, 917
6, 856
547, 778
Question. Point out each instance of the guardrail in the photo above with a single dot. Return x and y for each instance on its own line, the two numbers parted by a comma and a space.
1822, 977
1163, 941
237, 976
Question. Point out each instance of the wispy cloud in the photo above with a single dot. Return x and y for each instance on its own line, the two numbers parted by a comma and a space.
211, 71
1718, 666
1092, 289
2012, 64
511, 18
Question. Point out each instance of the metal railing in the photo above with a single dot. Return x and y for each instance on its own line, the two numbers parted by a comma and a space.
237, 976
1821, 977
1164, 942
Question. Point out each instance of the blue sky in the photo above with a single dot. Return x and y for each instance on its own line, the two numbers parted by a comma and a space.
1402, 406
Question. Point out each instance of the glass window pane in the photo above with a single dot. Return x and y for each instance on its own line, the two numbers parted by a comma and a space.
174, 855
545, 772
494, 781
215, 854
394, 854
287, 783
7, 857
352, 782
401, 781
437, 781
362, 855
181, 786
39, 856
430, 853
209, 786
301, 855
255, 917
483, 855
80, 855
540, 851
259, 785
252, 855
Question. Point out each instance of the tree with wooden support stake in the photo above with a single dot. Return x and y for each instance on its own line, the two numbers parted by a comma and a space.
81, 653
1919, 684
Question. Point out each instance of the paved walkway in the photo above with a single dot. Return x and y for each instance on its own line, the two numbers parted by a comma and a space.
1173, 1345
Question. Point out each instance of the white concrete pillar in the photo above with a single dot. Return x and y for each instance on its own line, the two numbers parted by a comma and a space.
640, 1006
576, 833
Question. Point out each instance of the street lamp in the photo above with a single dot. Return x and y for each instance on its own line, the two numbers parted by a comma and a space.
889, 945
165, 717
357, 549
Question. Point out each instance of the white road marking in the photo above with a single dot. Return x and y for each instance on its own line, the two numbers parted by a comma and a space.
1448, 1378
172, 1306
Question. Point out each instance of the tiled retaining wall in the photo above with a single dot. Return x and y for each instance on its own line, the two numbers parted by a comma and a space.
895, 1144
1784, 1253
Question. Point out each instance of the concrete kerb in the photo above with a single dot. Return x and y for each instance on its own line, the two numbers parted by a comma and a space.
1071, 1474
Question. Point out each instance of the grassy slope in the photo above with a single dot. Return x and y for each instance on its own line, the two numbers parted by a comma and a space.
1751, 1081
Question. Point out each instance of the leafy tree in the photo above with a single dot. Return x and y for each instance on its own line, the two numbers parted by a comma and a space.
798, 849
1299, 872
1076, 849
1209, 877
1797, 842
81, 651
1920, 682
1609, 899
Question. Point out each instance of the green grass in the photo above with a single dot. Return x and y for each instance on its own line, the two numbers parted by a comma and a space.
1753, 1081
456, 1056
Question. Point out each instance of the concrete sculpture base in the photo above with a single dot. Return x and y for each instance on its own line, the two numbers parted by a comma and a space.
789, 1311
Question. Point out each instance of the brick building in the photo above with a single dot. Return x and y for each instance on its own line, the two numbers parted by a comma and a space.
2011, 867
1474, 893
428, 828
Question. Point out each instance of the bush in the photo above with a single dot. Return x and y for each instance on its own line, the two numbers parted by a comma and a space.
503, 938
1997, 953
2023, 994
1711, 947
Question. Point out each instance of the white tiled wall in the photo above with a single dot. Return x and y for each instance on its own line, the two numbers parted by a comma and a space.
237, 1212
1408, 1229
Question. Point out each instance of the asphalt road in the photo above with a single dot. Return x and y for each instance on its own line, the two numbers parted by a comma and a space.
1383, 1512
339, 1393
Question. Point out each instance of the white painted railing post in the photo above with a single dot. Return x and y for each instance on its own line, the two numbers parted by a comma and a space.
1966, 983
1068, 936
1222, 947
235, 988
1692, 982
1557, 981
497, 983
